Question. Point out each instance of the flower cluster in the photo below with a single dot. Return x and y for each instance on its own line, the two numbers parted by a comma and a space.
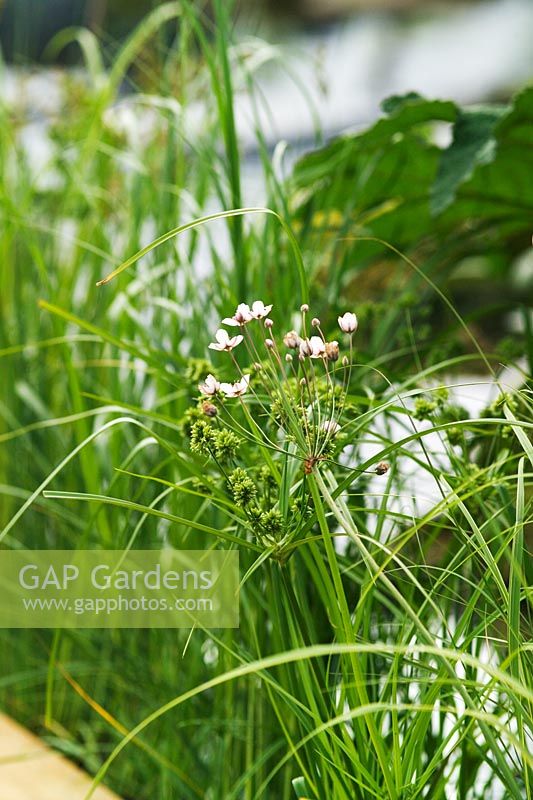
291, 402
304, 403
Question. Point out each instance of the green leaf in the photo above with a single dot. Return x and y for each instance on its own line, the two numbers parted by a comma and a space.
473, 143
391, 186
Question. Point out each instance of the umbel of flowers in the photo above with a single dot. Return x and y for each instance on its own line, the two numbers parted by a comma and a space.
298, 387
288, 405
299, 383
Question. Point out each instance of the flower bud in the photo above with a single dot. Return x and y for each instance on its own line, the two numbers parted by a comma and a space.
345, 361
269, 343
315, 322
268, 323
209, 409
288, 358
304, 308
348, 322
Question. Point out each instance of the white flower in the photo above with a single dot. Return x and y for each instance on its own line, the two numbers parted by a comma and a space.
305, 348
331, 427
210, 386
237, 388
318, 347
314, 347
260, 310
348, 322
241, 317
225, 342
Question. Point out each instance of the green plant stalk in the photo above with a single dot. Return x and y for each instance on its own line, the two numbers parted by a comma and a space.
348, 632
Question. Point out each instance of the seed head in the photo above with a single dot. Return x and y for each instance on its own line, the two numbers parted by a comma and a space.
226, 444
242, 487
202, 437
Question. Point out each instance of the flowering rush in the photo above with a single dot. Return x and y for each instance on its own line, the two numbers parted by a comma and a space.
297, 382
224, 341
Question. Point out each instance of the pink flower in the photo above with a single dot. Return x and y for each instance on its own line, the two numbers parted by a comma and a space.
225, 342
305, 348
260, 310
210, 386
241, 317
235, 389
318, 347
348, 322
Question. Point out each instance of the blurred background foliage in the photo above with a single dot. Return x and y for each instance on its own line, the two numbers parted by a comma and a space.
462, 211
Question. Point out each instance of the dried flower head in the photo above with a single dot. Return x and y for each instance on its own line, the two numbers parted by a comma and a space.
292, 340
332, 351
